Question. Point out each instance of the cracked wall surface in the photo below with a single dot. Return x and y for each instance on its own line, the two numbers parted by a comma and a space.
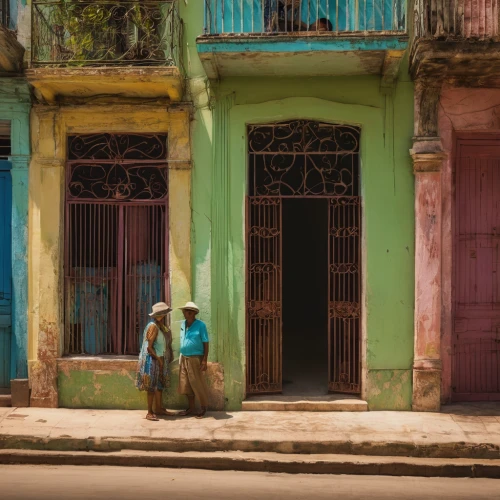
460, 110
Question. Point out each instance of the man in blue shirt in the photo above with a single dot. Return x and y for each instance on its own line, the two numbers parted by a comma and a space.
194, 355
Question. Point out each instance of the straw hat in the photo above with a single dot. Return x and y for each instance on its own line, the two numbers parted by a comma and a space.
191, 306
160, 309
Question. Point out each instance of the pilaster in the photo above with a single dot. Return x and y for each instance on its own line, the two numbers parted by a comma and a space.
427, 164
220, 221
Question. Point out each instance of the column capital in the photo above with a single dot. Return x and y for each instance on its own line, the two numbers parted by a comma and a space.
20, 162
427, 162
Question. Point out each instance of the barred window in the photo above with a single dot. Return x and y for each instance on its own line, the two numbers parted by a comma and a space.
116, 255
4, 13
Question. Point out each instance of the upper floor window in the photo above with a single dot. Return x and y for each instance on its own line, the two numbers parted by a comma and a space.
4, 13
5, 146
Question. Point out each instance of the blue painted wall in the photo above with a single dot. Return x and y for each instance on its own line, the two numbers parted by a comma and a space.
15, 105
5, 273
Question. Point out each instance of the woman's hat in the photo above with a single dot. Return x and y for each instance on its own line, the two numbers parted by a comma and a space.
160, 309
190, 306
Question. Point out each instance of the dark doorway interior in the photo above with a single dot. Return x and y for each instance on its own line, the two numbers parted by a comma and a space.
305, 296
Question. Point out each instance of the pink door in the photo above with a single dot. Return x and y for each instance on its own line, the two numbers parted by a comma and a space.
476, 342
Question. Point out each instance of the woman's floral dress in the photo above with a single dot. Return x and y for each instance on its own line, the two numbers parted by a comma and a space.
149, 376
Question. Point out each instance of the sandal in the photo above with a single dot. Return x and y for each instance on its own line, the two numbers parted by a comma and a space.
202, 413
152, 417
185, 413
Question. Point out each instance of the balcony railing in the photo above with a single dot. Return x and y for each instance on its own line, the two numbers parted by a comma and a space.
86, 33
459, 19
304, 17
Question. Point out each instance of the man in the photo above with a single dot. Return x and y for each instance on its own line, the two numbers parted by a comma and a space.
322, 24
193, 364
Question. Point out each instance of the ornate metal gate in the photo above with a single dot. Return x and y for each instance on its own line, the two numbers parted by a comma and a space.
116, 262
344, 293
300, 159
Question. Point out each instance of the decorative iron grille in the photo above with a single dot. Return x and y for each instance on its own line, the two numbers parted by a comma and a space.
83, 33
301, 159
344, 294
456, 19
116, 259
304, 16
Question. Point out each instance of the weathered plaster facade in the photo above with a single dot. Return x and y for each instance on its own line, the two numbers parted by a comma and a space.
461, 110
456, 70
15, 104
55, 381
222, 111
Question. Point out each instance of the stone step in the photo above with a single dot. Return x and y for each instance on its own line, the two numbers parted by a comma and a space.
263, 462
330, 402
5, 400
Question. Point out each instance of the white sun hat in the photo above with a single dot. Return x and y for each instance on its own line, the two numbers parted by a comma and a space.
190, 306
160, 309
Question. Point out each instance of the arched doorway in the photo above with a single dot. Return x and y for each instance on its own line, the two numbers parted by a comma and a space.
303, 237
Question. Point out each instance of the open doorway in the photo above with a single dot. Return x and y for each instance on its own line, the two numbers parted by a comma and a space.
305, 296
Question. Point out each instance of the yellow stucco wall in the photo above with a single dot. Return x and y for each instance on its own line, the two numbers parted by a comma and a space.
50, 126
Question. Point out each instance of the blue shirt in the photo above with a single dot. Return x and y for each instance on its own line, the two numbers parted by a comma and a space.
192, 338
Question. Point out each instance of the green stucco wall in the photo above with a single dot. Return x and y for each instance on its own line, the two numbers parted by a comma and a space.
219, 179
113, 386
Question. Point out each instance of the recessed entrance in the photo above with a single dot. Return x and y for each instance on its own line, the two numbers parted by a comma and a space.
303, 238
305, 297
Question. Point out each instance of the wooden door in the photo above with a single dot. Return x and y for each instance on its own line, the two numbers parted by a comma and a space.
476, 337
5, 276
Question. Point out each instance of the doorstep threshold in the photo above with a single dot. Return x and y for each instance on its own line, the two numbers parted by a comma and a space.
282, 402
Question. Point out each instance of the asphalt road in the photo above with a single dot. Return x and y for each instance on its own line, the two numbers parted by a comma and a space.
124, 483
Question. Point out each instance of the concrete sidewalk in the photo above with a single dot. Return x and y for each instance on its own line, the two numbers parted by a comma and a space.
460, 431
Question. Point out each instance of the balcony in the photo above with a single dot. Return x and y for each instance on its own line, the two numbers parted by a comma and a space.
457, 40
303, 37
89, 48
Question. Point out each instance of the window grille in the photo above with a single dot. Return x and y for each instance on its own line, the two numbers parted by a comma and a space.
116, 263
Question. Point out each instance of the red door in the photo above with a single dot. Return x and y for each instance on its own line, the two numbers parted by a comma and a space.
476, 342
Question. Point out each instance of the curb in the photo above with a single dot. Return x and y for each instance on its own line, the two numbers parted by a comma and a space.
450, 450
265, 462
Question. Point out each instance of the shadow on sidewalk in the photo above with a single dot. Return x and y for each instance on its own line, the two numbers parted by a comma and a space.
482, 409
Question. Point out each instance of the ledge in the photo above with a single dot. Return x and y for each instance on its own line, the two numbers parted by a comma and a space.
299, 55
51, 84
465, 62
92, 363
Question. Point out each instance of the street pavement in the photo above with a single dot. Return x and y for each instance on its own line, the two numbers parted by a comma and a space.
459, 431
74, 483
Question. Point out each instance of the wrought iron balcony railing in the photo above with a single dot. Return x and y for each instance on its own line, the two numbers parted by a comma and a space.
303, 17
95, 33
456, 19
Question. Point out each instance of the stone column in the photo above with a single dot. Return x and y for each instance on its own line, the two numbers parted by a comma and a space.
47, 241
427, 163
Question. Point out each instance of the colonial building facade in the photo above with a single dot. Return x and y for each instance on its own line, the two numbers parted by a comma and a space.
256, 157
455, 65
15, 104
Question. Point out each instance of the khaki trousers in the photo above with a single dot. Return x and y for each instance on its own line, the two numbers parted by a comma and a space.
192, 379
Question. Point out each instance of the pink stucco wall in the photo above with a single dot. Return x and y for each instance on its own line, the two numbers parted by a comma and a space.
460, 110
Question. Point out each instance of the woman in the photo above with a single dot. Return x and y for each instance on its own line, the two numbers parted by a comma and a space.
156, 354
